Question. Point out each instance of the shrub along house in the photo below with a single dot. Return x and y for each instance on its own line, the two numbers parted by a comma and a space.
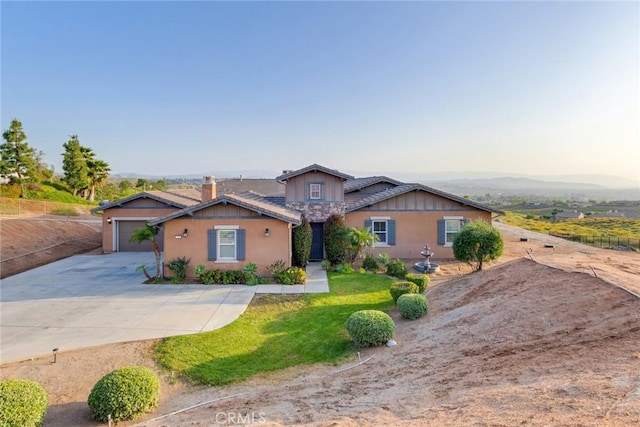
226, 231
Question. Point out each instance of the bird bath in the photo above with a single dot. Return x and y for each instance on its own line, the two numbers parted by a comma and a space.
426, 266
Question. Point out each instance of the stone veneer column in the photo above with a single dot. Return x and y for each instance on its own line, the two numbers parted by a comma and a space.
318, 212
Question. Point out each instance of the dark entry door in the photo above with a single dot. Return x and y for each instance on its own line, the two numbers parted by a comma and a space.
317, 242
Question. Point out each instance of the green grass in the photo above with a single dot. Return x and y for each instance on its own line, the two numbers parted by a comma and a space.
277, 332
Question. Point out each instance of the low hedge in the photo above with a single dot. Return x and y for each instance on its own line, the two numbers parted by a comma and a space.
403, 287
412, 306
370, 327
422, 280
291, 276
22, 403
124, 394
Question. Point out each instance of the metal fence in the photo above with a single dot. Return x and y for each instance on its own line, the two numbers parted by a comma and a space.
26, 208
602, 241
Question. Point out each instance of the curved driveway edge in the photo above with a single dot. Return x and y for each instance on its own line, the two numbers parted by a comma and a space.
90, 300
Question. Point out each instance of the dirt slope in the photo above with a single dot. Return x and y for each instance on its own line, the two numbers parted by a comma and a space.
32, 242
519, 343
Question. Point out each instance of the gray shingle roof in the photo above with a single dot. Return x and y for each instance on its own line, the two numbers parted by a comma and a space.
370, 199
266, 187
360, 183
313, 168
252, 201
179, 199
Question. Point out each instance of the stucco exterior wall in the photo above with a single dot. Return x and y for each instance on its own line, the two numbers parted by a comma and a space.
259, 249
414, 229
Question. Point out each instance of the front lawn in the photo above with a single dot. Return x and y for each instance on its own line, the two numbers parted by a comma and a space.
278, 331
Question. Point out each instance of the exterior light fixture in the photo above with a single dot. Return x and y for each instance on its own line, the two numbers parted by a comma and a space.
109, 220
266, 232
185, 233
55, 354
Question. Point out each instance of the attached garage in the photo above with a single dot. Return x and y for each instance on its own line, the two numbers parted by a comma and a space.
122, 217
125, 228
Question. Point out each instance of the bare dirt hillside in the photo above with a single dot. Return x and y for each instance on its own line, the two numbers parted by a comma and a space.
520, 343
27, 243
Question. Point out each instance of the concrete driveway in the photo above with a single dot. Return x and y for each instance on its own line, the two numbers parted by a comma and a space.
89, 300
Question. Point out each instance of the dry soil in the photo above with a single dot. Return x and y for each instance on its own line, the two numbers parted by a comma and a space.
524, 342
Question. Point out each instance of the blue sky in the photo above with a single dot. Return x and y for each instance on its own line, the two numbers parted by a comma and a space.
166, 88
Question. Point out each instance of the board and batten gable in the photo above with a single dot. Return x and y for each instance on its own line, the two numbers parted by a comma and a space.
297, 189
201, 229
138, 209
415, 216
417, 201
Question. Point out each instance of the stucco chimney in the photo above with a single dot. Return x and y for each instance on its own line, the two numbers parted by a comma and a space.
208, 189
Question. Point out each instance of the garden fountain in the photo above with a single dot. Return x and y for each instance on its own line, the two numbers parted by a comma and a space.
426, 266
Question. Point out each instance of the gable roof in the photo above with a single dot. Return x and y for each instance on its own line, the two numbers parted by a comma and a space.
178, 199
251, 201
356, 184
266, 187
370, 199
313, 168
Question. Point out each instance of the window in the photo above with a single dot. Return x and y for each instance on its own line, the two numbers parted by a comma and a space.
448, 228
380, 230
451, 227
227, 244
384, 228
315, 191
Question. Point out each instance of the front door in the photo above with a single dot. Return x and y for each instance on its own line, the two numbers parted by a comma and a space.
317, 242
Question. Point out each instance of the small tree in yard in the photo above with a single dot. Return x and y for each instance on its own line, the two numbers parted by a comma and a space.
148, 234
357, 240
476, 243
335, 239
302, 236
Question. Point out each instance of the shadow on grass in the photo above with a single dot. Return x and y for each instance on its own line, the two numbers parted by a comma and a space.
310, 335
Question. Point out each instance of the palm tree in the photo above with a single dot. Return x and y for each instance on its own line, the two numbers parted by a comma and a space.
359, 239
148, 234
97, 174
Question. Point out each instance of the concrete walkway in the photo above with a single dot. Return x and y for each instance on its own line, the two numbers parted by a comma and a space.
90, 300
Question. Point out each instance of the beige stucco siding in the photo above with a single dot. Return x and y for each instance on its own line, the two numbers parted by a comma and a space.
130, 211
414, 229
297, 187
260, 249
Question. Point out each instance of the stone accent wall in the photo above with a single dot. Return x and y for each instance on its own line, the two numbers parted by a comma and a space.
318, 212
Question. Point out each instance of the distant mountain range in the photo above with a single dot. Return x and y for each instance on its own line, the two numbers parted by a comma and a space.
598, 187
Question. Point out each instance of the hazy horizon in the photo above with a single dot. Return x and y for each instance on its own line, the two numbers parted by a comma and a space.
169, 88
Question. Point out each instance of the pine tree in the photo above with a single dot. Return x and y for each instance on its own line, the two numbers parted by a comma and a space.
74, 165
17, 161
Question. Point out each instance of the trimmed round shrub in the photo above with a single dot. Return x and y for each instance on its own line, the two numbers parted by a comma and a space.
401, 288
412, 306
124, 394
370, 327
22, 403
422, 280
396, 268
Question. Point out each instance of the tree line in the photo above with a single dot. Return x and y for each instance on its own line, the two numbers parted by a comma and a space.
21, 164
